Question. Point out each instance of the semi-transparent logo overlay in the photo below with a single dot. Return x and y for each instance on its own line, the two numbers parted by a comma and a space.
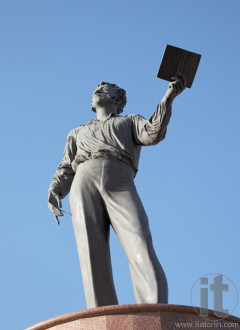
216, 292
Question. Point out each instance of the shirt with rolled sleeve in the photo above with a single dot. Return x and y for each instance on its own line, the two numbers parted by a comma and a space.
117, 136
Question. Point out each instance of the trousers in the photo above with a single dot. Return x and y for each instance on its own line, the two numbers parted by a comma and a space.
103, 194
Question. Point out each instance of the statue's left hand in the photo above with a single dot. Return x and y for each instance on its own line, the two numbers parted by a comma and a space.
176, 86
54, 205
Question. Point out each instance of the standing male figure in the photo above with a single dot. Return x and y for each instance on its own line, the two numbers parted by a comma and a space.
98, 167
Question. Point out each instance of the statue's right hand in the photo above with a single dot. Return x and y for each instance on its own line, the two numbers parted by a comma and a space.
54, 205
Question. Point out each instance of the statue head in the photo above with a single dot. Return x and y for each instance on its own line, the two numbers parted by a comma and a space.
110, 93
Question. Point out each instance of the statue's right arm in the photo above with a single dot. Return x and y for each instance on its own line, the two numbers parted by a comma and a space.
152, 131
62, 180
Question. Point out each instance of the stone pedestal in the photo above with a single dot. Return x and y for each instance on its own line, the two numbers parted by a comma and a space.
138, 317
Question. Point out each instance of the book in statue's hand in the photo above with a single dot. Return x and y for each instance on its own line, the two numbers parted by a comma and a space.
176, 60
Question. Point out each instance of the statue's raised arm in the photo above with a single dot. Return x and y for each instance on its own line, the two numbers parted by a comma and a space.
152, 131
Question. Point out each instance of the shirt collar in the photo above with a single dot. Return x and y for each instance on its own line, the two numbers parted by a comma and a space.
111, 115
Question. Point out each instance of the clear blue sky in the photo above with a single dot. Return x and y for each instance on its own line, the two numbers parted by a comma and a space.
53, 54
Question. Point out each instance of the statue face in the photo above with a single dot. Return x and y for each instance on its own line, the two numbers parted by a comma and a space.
103, 95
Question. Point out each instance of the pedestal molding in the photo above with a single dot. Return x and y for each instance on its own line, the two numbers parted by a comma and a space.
126, 309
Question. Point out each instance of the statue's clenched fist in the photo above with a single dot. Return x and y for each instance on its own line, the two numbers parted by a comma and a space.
176, 86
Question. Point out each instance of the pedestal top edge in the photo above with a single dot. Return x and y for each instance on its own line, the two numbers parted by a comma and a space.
125, 309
